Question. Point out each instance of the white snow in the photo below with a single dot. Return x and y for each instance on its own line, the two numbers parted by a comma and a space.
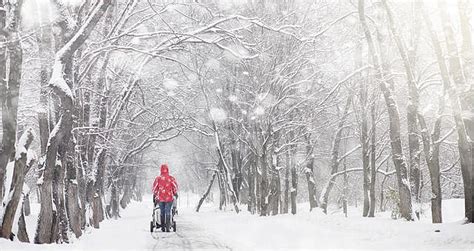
31, 156
315, 230
213, 64
57, 79
40, 180
214, 229
218, 114
259, 110
7, 184
170, 83
21, 145
233, 98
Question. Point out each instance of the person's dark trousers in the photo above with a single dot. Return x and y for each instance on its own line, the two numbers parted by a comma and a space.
165, 215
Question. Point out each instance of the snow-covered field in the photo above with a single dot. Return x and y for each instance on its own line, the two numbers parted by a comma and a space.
315, 231
213, 229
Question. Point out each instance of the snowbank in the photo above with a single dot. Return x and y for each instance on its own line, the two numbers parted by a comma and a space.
306, 230
315, 230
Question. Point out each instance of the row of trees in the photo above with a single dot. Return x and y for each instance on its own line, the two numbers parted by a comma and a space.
323, 100
96, 86
267, 92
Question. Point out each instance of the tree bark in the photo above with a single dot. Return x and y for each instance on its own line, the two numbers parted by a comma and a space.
394, 118
463, 138
294, 188
208, 190
412, 108
365, 149
72, 204
373, 170
62, 130
287, 184
3, 84
10, 90
467, 54
335, 156
16, 187
252, 178
22, 233
313, 202
431, 150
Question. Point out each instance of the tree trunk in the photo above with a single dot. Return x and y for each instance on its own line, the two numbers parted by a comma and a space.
313, 202
373, 171
294, 188
10, 90
365, 162
16, 187
72, 204
26, 204
287, 184
466, 101
252, 178
22, 233
45, 218
412, 108
276, 192
431, 149
44, 40
264, 186
394, 118
3, 85
62, 129
364, 140
345, 191
335, 156
467, 54
463, 138
208, 190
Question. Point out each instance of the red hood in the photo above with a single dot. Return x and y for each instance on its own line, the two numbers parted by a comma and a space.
164, 169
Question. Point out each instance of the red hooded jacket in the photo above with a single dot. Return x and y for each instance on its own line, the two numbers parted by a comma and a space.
165, 186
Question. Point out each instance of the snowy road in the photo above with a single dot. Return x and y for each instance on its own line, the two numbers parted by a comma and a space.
212, 229
190, 236
132, 232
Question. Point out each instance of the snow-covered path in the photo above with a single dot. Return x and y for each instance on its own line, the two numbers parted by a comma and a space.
132, 232
190, 236
212, 229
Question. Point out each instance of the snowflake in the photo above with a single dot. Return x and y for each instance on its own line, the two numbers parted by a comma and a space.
218, 114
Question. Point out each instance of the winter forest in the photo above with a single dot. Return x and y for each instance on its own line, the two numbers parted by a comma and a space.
308, 116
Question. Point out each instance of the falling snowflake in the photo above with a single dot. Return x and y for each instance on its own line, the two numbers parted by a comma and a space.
218, 114
259, 110
233, 98
170, 84
213, 64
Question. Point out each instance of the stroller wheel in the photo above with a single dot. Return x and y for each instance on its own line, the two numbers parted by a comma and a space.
151, 226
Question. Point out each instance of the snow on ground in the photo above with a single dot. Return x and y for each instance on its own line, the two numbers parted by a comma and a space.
314, 230
221, 230
130, 232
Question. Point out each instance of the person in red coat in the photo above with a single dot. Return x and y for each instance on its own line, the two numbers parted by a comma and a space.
165, 189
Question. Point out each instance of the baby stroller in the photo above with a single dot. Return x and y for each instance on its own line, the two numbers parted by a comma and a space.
156, 220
